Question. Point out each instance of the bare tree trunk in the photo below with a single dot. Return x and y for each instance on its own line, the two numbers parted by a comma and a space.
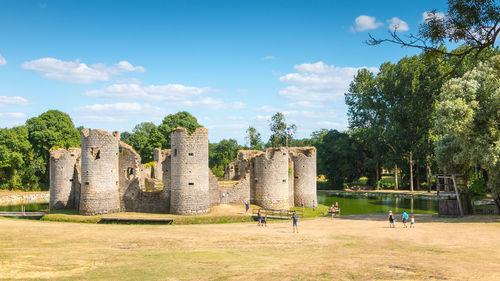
377, 174
428, 164
396, 177
417, 174
411, 172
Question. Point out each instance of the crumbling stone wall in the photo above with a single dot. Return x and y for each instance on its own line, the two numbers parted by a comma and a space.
157, 160
166, 175
130, 169
64, 178
291, 173
189, 172
240, 193
271, 179
100, 166
214, 190
304, 159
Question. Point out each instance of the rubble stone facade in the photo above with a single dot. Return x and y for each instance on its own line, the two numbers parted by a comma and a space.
64, 178
107, 176
189, 192
100, 185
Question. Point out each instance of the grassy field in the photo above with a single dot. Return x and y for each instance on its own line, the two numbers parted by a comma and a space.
218, 214
344, 248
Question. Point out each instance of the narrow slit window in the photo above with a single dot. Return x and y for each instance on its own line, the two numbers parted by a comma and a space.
191, 183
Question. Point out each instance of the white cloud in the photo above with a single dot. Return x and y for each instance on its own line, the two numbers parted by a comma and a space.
10, 119
3, 61
364, 22
305, 103
427, 15
5, 100
309, 114
117, 112
12, 115
318, 82
267, 108
213, 103
120, 107
269, 57
77, 72
397, 24
135, 91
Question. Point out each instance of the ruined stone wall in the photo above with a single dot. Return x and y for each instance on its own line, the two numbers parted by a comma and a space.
150, 202
270, 182
290, 182
158, 160
189, 178
129, 177
304, 175
100, 165
214, 190
166, 176
240, 193
64, 177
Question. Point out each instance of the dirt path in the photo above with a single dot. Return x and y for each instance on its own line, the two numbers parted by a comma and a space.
347, 248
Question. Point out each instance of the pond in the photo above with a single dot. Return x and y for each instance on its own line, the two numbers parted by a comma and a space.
40, 207
351, 204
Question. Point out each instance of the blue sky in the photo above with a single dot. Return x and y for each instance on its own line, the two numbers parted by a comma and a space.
232, 64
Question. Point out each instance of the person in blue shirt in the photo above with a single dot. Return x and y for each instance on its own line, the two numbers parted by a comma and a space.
405, 218
295, 219
247, 206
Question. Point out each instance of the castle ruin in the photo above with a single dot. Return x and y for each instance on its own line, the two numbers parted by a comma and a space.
106, 176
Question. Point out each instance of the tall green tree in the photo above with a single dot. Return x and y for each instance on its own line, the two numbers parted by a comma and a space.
49, 129
253, 139
468, 123
180, 119
221, 154
277, 125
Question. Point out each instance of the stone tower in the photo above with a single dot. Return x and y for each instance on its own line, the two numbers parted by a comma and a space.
270, 180
304, 159
189, 192
64, 178
100, 188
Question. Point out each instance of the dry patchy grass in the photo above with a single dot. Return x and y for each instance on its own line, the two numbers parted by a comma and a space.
349, 248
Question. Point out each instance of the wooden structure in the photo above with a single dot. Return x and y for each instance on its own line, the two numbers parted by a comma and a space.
450, 200
23, 214
282, 214
136, 220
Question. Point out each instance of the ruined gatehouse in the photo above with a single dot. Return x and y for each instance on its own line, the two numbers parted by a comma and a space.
106, 176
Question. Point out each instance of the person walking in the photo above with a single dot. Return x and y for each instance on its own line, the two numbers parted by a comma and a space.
391, 220
314, 205
259, 219
247, 207
295, 219
405, 218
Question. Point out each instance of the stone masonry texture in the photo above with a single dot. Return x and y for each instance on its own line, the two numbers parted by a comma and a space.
189, 176
100, 186
63, 174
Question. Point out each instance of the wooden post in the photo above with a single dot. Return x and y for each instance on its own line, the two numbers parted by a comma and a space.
437, 185
460, 208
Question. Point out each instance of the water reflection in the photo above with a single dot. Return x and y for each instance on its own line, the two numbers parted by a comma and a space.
357, 204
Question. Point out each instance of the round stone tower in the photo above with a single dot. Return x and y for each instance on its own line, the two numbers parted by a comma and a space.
62, 170
100, 168
270, 179
304, 159
189, 193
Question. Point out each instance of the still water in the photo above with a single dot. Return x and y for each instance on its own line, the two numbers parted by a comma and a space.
357, 204
28, 208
